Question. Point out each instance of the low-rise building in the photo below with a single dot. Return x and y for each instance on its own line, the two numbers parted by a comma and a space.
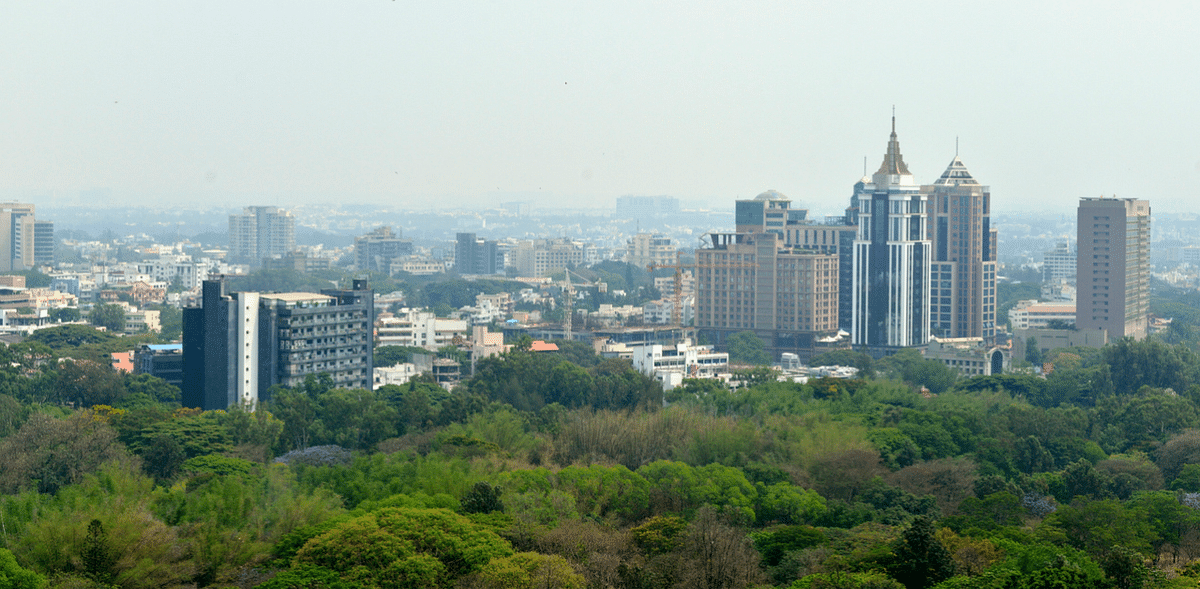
1035, 314
661, 312
670, 364
396, 375
142, 321
1054, 339
417, 267
970, 356
35, 298
415, 328
163, 361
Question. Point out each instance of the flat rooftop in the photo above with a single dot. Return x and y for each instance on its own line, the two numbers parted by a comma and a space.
297, 297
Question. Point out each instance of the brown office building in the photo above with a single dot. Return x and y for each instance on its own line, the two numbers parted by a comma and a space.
963, 266
788, 296
1112, 279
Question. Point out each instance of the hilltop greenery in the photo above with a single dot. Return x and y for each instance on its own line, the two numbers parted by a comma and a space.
570, 470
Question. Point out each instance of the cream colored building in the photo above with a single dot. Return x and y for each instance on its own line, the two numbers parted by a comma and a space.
645, 249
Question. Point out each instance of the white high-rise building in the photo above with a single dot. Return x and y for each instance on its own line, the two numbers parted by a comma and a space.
891, 258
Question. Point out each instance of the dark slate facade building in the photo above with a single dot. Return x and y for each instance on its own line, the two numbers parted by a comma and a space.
163, 361
477, 256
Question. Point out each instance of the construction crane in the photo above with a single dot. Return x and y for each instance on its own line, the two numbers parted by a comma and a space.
569, 300
569, 291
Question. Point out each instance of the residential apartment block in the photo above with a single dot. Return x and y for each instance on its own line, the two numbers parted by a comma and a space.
540, 257
236, 346
645, 249
377, 250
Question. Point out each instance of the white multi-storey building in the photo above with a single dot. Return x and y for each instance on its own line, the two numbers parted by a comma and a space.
1058, 264
671, 364
414, 328
171, 268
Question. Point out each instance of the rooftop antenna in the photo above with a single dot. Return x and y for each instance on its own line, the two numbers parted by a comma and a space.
864, 165
956, 146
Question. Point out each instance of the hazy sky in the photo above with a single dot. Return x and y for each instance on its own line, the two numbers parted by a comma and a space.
423, 104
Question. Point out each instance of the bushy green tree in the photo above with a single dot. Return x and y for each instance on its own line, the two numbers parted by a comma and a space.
405, 547
918, 559
745, 347
109, 316
12, 576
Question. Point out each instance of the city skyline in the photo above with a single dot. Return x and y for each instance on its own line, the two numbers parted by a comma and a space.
470, 105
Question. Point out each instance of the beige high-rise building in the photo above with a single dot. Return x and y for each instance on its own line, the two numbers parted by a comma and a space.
963, 250
541, 257
24, 241
1112, 277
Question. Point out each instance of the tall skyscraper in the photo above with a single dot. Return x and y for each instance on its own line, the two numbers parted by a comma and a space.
260, 232
1112, 277
963, 273
236, 346
891, 258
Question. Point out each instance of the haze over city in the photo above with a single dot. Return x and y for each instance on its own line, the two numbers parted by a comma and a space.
468, 104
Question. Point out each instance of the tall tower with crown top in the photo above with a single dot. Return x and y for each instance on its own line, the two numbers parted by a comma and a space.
891, 291
963, 277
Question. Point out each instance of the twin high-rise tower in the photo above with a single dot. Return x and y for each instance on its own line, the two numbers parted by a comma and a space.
924, 259
907, 262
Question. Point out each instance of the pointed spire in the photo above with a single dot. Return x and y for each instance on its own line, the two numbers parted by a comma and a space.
893, 162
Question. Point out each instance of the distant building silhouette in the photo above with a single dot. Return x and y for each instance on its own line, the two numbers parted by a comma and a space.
25, 242
647, 209
260, 232
375, 251
477, 256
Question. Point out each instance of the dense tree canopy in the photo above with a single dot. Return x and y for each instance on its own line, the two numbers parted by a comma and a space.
566, 469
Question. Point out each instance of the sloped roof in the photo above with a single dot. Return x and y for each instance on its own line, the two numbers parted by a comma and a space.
956, 173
